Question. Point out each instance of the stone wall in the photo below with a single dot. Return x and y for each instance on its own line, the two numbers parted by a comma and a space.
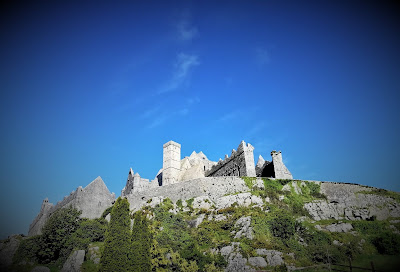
240, 163
135, 183
273, 169
212, 187
281, 171
91, 200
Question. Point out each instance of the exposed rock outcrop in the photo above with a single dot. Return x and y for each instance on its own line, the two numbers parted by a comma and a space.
74, 262
273, 257
351, 202
243, 224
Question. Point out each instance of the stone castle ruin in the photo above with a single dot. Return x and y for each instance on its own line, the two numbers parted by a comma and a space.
95, 198
175, 170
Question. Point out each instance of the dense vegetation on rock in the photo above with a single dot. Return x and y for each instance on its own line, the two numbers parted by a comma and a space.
265, 228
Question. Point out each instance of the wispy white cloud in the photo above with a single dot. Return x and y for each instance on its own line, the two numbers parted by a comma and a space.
262, 56
186, 31
182, 67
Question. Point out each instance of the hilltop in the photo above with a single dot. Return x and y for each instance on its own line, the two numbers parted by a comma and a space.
223, 222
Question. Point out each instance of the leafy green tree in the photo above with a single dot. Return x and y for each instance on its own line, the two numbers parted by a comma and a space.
56, 234
88, 231
117, 241
28, 250
159, 262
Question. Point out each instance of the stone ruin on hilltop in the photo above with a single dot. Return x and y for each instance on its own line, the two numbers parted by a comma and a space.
95, 198
197, 165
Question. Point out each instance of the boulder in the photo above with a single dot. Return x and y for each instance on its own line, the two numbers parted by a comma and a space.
273, 257
74, 262
257, 261
245, 230
94, 254
340, 227
236, 262
242, 199
8, 248
202, 202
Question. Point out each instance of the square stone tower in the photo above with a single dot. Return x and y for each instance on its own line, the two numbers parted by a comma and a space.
171, 163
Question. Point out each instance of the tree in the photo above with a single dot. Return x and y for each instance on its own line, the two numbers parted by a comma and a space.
141, 244
118, 240
56, 234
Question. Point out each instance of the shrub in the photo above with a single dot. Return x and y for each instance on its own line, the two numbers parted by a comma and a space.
106, 212
282, 224
387, 242
89, 231
28, 250
55, 241
174, 232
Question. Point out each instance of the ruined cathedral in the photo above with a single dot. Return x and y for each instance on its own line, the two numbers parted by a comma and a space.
240, 163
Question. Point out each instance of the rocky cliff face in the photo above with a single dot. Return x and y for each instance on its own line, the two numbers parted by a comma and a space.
352, 202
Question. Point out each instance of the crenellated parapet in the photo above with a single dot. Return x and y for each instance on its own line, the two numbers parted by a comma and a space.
240, 163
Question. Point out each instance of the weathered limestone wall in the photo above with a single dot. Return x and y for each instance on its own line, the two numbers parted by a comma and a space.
240, 163
281, 171
135, 183
171, 163
91, 200
275, 168
212, 187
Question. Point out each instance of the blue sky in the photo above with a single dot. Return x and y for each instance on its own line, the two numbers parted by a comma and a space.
91, 89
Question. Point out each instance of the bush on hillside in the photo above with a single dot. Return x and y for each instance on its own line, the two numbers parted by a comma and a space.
56, 233
282, 224
387, 242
